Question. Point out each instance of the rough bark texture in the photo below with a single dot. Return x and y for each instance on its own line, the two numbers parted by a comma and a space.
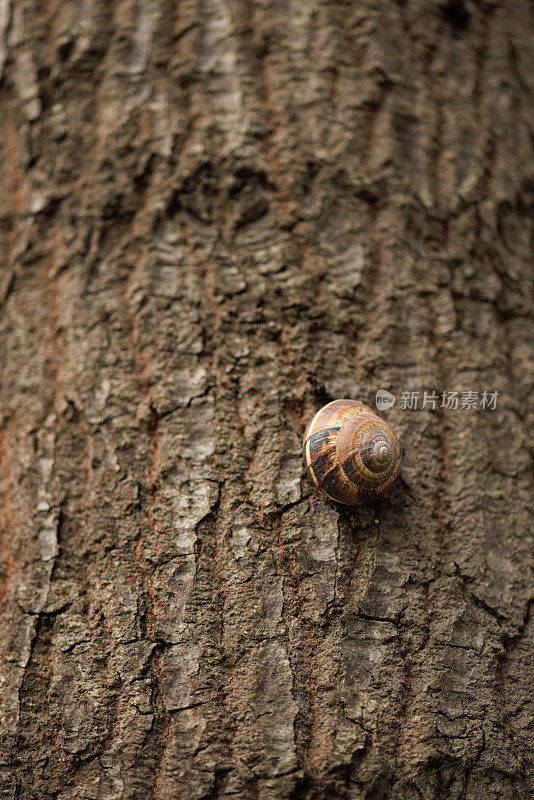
216, 215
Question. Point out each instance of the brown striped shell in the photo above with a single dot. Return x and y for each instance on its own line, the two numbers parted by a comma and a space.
350, 453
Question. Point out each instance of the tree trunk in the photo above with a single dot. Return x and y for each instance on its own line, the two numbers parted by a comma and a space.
216, 216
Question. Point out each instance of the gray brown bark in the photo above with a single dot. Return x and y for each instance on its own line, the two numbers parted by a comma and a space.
216, 215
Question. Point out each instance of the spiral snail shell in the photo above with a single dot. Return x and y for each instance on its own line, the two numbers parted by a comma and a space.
350, 453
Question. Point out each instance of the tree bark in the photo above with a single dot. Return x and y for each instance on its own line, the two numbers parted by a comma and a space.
215, 216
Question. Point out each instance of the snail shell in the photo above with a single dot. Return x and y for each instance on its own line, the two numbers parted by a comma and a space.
350, 453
